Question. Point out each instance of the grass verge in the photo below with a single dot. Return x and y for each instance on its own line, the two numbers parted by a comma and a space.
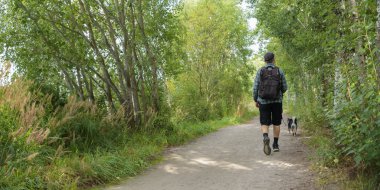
147, 148
129, 158
333, 170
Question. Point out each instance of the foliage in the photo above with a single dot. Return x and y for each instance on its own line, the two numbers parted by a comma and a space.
101, 87
329, 51
22, 121
110, 53
217, 74
84, 147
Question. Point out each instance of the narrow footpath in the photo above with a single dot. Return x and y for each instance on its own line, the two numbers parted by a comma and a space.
229, 159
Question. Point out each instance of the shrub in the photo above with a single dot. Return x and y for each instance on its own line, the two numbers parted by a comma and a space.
22, 121
356, 128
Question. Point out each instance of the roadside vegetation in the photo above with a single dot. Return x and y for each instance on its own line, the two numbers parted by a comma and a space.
77, 146
330, 53
92, 92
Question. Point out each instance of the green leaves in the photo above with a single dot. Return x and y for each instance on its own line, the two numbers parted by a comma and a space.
327, 49
215, 75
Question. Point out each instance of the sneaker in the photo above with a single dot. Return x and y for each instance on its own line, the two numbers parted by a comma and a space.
276, 148
267, 149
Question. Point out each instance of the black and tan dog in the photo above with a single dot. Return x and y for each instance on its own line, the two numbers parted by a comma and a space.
292, 125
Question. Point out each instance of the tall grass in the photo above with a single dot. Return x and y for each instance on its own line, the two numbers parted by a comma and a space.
78, 146
329, 153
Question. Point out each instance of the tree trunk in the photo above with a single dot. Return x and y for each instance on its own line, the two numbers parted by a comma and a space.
152, 59
106, 76
359, 46
80, 84
127, 58
135, 100
114, 49
377, 63
141, 81
325, 87
89, 86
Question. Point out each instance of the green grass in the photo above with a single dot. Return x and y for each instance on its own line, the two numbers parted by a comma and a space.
136, 151
335, 171
146, 149
188, 131
361, 183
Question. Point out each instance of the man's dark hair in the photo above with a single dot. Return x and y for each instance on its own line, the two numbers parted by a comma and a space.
269, 57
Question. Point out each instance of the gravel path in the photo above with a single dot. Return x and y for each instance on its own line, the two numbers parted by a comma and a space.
229, 159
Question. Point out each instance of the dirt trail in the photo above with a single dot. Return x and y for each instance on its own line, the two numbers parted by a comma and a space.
229, 159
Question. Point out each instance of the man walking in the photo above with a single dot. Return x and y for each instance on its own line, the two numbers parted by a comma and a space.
268, 89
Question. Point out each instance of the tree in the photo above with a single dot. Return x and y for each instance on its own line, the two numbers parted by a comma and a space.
216, 71
331, 45
100, 49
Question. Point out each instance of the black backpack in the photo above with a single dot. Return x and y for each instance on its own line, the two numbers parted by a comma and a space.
270, 83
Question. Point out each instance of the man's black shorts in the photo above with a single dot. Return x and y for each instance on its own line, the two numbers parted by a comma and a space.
271, 114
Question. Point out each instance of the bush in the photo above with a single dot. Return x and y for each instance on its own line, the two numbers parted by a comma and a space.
32, 139
22, 120
350, 133
221, 96
356, 128
77, 126
78, 145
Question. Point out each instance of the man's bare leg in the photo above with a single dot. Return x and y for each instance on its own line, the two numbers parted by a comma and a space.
267, 149
276, 131
276, 135
265, 129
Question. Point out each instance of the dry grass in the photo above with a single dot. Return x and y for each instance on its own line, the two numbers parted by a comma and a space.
72, 108
29, 113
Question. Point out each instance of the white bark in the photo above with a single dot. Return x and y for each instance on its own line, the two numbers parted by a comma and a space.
337, 84
378, 44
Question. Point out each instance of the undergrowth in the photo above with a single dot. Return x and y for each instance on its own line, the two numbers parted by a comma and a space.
78, 146
335, 168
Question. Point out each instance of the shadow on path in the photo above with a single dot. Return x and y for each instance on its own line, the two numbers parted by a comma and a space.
229, 159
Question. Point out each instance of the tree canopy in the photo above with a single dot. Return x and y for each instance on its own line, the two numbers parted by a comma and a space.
330, 52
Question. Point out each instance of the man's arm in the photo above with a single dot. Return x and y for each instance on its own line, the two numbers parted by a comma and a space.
284, 87
256, 84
